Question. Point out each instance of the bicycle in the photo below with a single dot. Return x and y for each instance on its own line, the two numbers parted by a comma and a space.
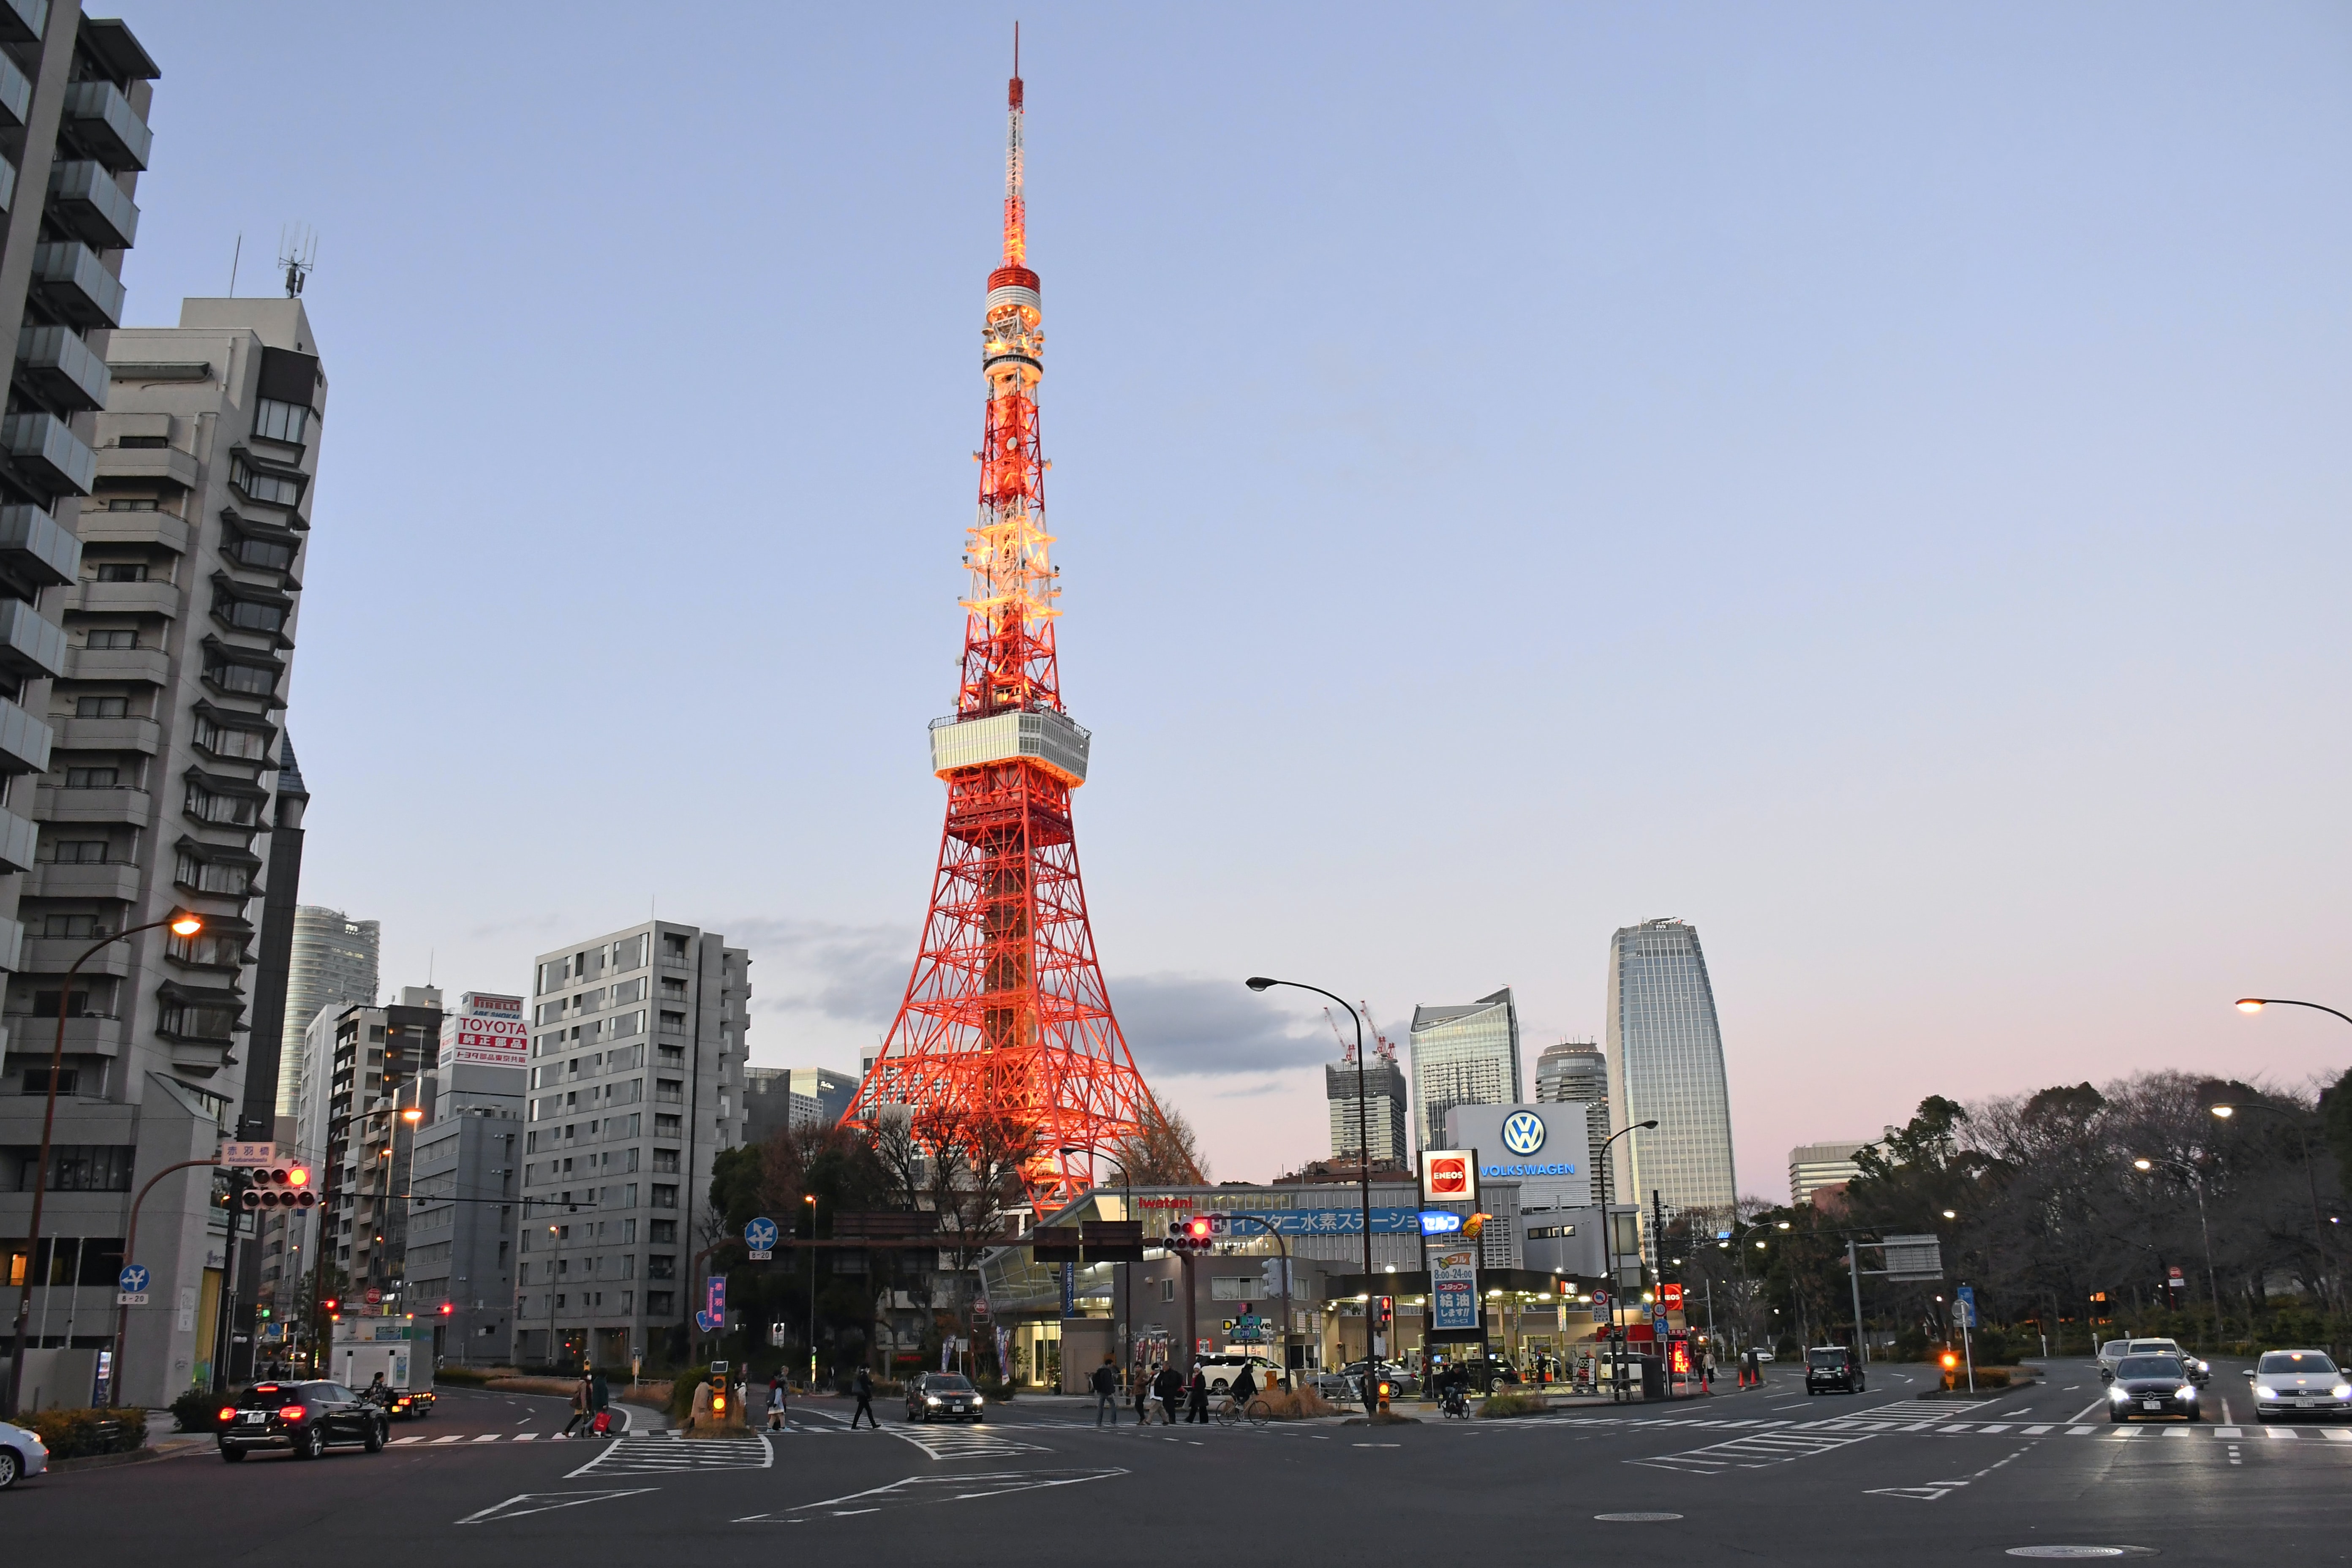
1231, 1410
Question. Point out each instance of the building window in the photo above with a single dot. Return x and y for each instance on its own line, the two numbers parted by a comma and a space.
77, 852
666, 1160
102, 706
130, 503
143, 443
75, 925
660, 1303
271, 490
230, 810
661, 1265
249, 616
198, 1020
666, 1091
251, 679
122, 572
79, 1168
117, 636
215, 949
37, 1080
227, 741
261, 554
276, 421
664, 1197
212, 877
91, 778
667, 1127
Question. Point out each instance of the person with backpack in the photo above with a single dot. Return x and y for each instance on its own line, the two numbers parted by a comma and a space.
863, 1385
1105, 1382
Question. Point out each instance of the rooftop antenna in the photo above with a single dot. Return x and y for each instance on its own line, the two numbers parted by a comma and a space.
297, 252
234, 258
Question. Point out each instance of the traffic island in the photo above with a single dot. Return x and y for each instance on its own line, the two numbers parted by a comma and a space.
1381, 1418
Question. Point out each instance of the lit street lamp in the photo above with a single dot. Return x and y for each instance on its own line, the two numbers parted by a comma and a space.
1609, 1241
183, 923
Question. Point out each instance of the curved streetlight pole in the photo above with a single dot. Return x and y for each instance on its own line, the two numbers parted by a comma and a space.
1363, 1154
1609, 1241
2303, 1140
2197, 1185
183, 923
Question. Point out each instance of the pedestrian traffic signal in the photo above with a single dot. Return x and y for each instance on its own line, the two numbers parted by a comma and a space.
1384, 1308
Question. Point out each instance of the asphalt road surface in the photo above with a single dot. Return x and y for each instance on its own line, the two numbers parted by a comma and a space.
1766, 1476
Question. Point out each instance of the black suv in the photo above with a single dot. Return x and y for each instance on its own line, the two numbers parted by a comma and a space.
301, 1418
1832, 1367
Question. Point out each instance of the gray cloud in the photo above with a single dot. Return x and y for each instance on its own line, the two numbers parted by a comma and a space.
1184, 1025
856, 973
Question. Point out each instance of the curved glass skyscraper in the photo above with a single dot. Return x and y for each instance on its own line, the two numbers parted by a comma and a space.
1665, 1060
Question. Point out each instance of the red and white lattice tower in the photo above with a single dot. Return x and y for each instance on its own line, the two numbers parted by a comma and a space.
1007, 1020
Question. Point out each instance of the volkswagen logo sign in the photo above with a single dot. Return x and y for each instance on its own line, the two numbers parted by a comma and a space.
1523, 1133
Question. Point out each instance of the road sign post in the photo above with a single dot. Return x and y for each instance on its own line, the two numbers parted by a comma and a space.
759, 1240
1964, 1309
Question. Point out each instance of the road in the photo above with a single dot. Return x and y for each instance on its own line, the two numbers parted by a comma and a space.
1766, 1476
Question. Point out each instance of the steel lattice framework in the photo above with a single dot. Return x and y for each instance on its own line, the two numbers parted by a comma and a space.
1006, 1026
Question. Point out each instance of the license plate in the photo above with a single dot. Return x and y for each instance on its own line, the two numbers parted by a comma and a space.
2306, 1404
254, 1417
2151, 1405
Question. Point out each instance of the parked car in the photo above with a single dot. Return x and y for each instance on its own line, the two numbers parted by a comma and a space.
22, 1453
301, 1418
2299, 1383
1832, 1369
1223, 1367
2144, 1385
933, 1394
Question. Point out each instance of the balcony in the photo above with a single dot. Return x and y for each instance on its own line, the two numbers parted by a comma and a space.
22, 21
87, 204
146, 666
95, 807
56, 363
150, 527
24, 740
11, 947
117, 879
18, 837
75, 285
15, 94
55, 955
7, 186
48, 454
34, 548
103, 122
29, 646
87, 1036
111, 735
152, 465
127, 599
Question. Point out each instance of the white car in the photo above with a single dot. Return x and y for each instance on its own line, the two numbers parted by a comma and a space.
22, 1453
1222, 1368
2114, 1350
2299, 1383
2198, 1370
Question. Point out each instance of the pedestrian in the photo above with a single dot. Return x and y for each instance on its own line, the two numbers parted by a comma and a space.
1170, 1386
862, 1385
1143, 1397
1243, 1388
776, 1403
581, 1412
698, 1414
600, 1393
1105, 1388
1196, 1397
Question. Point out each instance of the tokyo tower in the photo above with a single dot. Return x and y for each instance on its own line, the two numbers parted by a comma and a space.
1006, 1025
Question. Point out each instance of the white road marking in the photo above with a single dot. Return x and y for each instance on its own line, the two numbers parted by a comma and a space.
542, 1502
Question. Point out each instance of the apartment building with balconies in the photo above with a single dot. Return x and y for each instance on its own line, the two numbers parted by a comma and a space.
636, 1083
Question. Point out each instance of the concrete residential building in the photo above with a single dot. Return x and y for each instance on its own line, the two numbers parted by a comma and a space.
1383, 1111
467, 1178
1464, 1055
1812, 1167
637, 1056
1575, 1072
379, 1060
332, 963
1665, 1061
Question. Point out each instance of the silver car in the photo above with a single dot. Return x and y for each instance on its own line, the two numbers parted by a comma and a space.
2298, 1383
22, 1453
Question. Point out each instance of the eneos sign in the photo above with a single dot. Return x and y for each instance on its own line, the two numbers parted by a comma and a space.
1445, 1175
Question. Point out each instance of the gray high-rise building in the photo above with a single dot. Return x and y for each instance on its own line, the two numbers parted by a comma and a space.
1576, 1072
1382, 1114
1464, 1055
773, 1105
333, 963
1665, 1061
458, 1272
1812, 1167
637, 1054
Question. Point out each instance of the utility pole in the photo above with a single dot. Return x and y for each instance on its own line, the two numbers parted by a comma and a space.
1853, 1277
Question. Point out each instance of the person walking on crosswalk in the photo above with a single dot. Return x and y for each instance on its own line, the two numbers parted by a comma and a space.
863, 1386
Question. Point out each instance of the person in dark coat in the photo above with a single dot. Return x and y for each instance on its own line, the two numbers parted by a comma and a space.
1243, 1388
1105, 1382
863, 1385
1196, 1403
1170, 1386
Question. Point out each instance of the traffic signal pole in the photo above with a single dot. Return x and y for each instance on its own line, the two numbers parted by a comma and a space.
131, 1256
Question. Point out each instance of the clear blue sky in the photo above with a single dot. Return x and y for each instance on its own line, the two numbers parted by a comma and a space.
1869, 480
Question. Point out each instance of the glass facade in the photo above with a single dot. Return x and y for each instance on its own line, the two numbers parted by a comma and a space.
1665, 1061
333, 964
1464, 1055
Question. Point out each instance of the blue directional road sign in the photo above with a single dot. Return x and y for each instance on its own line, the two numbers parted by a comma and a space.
1964, 1306
760, 1235
134, 1278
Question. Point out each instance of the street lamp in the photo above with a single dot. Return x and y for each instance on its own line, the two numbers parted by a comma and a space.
1363, 1154
1609, 1241
183, 923
810, 1199
2302, 1138
2256, 1004
2197, 1185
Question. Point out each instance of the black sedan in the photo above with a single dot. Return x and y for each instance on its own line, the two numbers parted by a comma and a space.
1832, 1367
933, 1394
2145, 1386
300, 1418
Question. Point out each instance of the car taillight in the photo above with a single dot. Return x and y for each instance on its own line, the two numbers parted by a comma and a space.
228, 1413
289, 1413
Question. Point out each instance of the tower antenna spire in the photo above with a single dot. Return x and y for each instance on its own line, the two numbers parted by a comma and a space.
1016, 212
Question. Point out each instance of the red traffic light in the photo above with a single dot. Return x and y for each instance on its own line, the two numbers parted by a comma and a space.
1198, 1227
447, 1308
1387, 1309
331, 1303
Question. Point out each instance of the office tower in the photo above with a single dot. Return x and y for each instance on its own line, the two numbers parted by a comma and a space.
1812, 1167
637, 1054
1665, 1061
1464, 1055
380, 1068
772, 1105
332, 962
1574, 1072
1382, 1115
466, 1176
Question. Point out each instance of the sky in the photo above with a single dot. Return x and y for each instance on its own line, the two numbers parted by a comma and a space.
1870, 481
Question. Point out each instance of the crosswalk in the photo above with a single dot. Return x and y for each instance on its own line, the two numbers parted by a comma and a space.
2082, 1429
965, 1442
667, 1453
1752, 1451
471, 1437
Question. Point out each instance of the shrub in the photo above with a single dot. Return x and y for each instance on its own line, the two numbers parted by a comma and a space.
681, 1391
198, 1410
462, 1376
1299, 1403
74, 1433
1498, 1405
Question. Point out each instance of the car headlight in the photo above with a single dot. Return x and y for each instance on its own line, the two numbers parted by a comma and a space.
2342, 1390
2185, 1392
977, 1400
931, 1399
2119, 1394
2261, 1393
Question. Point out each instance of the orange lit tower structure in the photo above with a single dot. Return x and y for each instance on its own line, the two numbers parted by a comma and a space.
1006, 1023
